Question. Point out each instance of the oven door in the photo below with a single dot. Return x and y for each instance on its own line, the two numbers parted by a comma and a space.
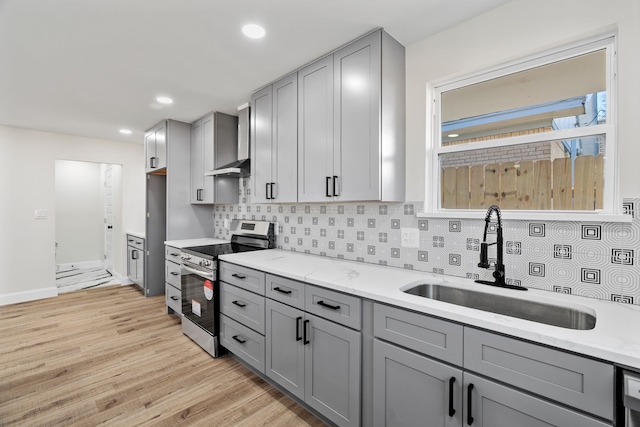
199, 298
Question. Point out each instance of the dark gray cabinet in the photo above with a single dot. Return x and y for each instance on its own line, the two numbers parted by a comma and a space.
274, 145
155, 148
214, 143
351, 114
316, 360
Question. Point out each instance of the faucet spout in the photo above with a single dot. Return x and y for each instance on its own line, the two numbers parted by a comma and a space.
499, 270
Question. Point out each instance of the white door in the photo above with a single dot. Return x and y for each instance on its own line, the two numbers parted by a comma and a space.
108, 220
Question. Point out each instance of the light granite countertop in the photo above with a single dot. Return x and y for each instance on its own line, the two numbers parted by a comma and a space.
186, 243
614, 337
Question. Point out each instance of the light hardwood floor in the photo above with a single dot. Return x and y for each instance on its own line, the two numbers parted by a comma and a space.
109, 356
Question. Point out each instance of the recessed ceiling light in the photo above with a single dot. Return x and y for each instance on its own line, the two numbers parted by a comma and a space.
253, 31
453, 135
164, 100
125, 131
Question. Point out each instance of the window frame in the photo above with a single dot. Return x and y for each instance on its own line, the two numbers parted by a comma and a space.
612, 206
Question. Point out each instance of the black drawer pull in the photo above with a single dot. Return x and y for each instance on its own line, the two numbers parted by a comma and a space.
239, 304
240, 340
298, 336
306, 338
328, 192
469, 417
237, 276
332, 307
174, 273
175, 298
282, 291
452, 410
130, 240
174, 254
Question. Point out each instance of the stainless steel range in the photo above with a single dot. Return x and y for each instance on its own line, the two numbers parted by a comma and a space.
200, 291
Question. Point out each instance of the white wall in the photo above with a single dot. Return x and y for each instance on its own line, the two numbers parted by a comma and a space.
79, 211
517, 29
27, 183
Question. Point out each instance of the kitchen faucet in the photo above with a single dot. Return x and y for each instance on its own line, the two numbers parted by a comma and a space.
498, 271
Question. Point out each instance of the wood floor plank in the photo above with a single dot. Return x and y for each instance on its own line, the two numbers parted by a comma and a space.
109, 356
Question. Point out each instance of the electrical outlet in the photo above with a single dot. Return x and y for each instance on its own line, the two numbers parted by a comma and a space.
225, 223
41, 214
410, 237
275, 229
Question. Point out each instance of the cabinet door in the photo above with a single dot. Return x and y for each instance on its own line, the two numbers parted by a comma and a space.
140, 267
131, 264
315, 131
261, 147
207, 156
410, 389
494, 405
357, 119
285, 350
332, 370
149, 149
197, 172
284, 172
161, 146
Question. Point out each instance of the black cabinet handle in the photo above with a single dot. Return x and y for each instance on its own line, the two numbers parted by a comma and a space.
174, 273
152, 162
298, 336
240, 340
174, 254
175, 298
273, 196
452, 411
239, 304
335, 178
134, 254
306, 340
139, 243
199, 194
327, 186
332, 307
237, 276
266, 191
130, 240
282, 291
469, 417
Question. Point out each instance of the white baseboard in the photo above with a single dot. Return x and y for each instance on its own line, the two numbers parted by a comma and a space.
35, 294
83, 264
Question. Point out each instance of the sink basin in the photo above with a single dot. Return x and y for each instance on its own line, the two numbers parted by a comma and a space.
554, 315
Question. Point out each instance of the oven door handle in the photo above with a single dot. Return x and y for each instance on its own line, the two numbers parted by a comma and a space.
198, 272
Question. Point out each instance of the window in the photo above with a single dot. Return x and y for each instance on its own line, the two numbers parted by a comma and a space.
536, 135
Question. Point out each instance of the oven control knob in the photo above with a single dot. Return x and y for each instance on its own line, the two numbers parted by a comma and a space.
185, 256
206, 263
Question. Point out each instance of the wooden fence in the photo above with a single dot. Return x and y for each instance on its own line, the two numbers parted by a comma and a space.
530, 185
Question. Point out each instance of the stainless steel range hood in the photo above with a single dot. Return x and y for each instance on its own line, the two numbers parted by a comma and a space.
242, 166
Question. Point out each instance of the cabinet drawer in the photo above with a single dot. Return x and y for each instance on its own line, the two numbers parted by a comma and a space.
340, 308
242, 306
172, 254
248, 345
173, 297
242, 277
290, 292
573, 380
172, 273
136, 242
428, 335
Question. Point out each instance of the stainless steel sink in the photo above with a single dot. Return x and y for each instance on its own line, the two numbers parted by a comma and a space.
523, 309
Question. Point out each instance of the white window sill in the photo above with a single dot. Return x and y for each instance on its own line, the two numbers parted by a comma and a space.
530, 215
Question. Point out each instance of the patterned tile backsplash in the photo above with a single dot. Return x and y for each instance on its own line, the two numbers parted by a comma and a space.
598, 260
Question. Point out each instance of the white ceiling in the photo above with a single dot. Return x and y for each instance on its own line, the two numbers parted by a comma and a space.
92, 67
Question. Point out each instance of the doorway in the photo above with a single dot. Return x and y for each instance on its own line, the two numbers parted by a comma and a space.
88, 224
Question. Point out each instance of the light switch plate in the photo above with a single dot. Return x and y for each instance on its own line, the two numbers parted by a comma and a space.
41, 214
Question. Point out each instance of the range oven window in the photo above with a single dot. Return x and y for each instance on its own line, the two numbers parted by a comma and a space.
198, 301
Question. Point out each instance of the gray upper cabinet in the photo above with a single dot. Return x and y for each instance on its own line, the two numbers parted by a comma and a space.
275, 142
214, 143
351, 123
315, 131
155, 148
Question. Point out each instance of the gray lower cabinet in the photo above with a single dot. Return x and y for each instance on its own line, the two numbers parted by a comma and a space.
490, 404
316, 360
135, 259
534, 385
172, 278
410, 389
